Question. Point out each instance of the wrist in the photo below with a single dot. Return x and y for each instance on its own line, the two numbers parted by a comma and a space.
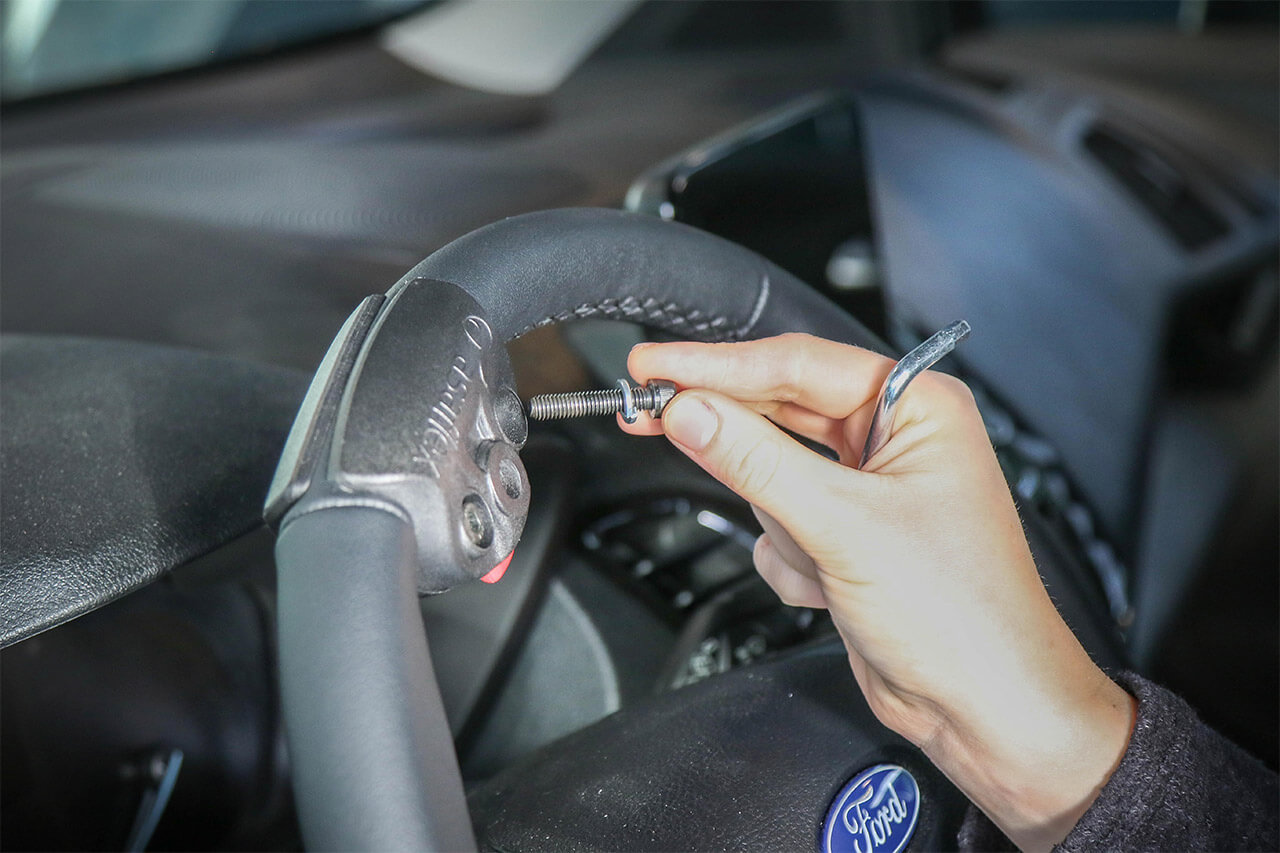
1037, 766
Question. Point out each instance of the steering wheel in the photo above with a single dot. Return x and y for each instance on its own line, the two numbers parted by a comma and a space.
402, 477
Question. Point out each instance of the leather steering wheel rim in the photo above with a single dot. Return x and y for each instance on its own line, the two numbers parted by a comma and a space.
372, 755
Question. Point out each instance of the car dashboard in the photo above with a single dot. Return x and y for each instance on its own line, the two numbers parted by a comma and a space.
1119, 270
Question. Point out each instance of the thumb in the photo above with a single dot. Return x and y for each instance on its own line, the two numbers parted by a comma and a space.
763, 465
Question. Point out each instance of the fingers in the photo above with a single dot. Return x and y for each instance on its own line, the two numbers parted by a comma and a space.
644, 425
785, 547
827, 431
789, 585
829, 378
755, 459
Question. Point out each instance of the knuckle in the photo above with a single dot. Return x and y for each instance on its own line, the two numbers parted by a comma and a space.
792, 374
750, 466
791, 365
796, 339
724, 364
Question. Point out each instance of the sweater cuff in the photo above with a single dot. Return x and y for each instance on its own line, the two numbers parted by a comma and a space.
1179, 785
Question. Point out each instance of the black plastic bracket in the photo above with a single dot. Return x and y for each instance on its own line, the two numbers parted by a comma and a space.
414, 411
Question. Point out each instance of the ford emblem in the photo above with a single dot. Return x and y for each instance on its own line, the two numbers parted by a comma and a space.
875, 812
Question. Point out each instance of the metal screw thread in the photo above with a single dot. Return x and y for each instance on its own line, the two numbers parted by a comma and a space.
578, 404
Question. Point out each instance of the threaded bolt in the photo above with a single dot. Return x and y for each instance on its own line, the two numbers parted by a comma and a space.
628, 399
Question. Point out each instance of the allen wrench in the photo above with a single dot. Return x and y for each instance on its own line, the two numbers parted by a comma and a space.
910, 366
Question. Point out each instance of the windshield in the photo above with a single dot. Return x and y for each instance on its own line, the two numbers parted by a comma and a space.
516, 46
56, 45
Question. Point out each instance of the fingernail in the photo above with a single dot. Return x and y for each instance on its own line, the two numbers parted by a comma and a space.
691, 422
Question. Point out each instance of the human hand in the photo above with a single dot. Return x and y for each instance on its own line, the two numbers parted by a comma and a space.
920, 558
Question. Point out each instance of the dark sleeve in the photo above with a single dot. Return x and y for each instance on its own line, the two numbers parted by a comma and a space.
1180, 786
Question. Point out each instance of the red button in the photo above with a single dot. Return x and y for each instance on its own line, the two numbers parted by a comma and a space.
496, 573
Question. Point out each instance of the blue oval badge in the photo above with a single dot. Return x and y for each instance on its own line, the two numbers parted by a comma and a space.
875, 813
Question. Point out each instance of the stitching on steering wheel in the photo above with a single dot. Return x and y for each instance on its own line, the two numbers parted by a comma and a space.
670, 315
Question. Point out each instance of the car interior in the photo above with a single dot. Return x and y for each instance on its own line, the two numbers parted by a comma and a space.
202, 206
